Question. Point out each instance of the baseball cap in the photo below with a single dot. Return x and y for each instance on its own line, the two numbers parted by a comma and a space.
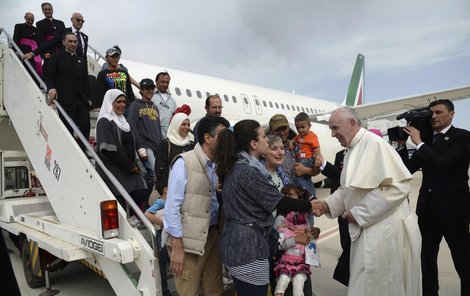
277, 121
146, 82
112, 51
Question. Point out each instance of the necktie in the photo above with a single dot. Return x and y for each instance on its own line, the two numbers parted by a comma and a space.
80, 44
438, 138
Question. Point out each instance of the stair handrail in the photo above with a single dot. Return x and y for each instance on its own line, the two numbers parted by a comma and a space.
89, 148
12, 43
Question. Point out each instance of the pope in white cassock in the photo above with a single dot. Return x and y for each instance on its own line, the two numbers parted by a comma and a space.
373, 197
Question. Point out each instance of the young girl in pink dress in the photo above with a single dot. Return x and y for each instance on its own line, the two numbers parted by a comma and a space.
291, 265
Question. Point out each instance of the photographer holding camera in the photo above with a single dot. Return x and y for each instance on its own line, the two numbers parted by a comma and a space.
443, 207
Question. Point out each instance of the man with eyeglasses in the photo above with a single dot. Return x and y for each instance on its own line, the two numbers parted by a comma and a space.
213, 108
82, 39
162, 99
113, 77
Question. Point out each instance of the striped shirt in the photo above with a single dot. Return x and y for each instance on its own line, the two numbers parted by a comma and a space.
255, 272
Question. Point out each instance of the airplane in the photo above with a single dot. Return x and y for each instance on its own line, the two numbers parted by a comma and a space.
245, 101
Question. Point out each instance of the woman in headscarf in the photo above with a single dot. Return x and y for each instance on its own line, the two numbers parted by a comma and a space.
179, 140
115, 145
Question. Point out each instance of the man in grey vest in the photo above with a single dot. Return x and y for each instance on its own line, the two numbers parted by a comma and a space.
191, 215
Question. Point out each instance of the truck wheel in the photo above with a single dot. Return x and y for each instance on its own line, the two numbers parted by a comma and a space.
31, 265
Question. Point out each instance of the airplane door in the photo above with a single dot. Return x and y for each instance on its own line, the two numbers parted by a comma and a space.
257, 104
246, 103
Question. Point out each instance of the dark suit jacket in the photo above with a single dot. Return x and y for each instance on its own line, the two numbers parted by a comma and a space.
29, 32
333, 172
444, 191
50, 28
57, 42
69, 77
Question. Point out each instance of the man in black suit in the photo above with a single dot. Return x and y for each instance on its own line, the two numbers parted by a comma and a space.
82, 38
443, 207
49, 27
333, 172
67, 82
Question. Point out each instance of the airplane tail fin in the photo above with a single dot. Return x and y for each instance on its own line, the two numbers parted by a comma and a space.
355, 95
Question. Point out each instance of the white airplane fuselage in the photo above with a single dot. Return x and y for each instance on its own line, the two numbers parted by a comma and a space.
241, 101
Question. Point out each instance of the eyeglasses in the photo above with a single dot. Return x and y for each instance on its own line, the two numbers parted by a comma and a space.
80, 20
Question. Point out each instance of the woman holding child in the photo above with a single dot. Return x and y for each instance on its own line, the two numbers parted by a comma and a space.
248, 200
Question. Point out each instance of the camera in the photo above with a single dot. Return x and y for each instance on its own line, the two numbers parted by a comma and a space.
419, 118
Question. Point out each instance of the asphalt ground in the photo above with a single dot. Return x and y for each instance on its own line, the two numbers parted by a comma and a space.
76, 279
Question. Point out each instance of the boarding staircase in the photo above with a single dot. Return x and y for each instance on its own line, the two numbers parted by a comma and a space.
66, 222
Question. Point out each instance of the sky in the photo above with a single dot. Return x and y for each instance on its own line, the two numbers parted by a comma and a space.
307, 47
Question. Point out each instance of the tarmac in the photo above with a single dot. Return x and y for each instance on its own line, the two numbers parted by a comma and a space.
76, 279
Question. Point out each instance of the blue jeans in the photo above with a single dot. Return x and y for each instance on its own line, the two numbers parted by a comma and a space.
305, 181
245, 289
149, 166
163, 260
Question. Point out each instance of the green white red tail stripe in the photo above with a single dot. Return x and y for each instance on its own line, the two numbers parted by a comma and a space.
355, 95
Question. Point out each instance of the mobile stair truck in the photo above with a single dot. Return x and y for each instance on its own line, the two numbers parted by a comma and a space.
73, 215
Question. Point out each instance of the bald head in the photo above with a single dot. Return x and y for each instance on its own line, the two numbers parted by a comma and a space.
344, 124
29, 18
77, 20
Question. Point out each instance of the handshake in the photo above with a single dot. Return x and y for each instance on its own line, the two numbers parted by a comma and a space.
319, 207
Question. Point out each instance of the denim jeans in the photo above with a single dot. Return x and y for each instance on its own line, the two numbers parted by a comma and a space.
163, 261
149, 166
305, 181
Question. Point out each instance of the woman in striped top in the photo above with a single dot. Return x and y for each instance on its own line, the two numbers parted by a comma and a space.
248, 200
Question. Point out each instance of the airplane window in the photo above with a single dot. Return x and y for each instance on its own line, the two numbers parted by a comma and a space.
257, 102
234, 99
245, 100
282, 106
207, 94
264, 103
198, 94
298, 109
303, 110
271, 104
288, 107
226, 98
277, 105
293, 107
178, 91
188, 93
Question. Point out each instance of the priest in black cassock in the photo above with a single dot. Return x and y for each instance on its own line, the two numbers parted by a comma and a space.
49, 27
27, 37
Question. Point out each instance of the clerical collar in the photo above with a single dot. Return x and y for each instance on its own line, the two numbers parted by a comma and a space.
71, 53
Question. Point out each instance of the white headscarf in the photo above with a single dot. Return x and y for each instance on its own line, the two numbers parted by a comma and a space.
107, 111
173, 130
